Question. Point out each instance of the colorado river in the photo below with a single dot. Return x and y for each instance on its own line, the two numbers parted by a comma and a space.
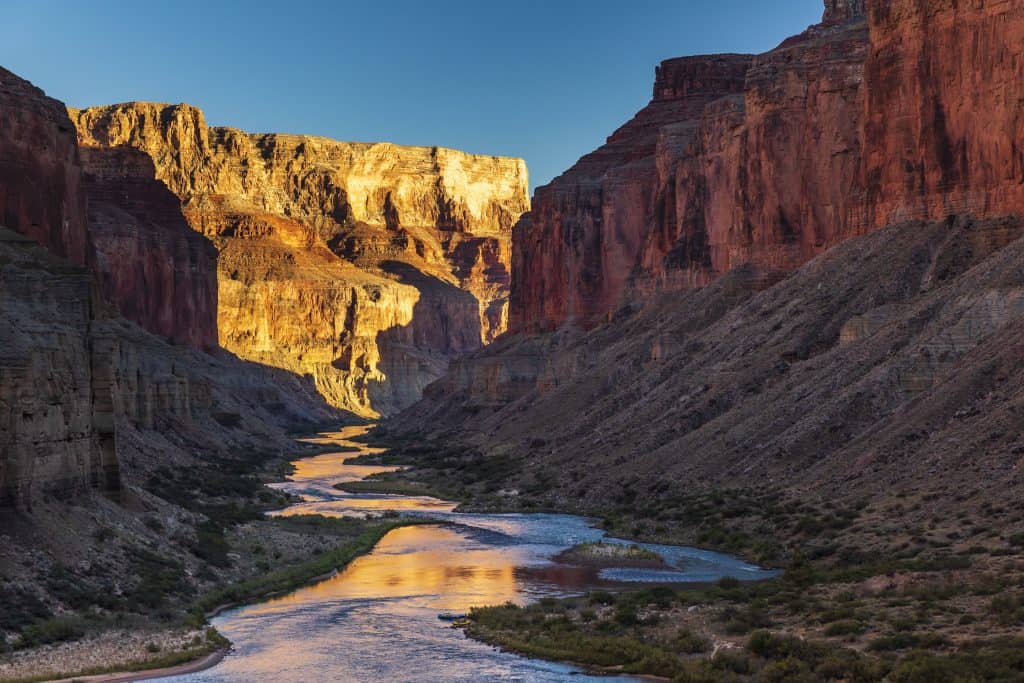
377, 619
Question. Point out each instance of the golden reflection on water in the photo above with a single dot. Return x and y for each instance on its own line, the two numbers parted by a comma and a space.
429, 563
350, 506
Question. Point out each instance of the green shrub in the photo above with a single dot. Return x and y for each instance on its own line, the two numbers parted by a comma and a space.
688, 642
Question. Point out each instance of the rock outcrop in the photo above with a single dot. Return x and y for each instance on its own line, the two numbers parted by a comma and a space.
942, 114
365, 266
736, 160
56, 424
85, 394
868, 119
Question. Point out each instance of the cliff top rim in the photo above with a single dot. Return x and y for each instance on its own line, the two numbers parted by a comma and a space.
160, 107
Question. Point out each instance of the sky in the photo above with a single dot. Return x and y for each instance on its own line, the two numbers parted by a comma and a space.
545, 80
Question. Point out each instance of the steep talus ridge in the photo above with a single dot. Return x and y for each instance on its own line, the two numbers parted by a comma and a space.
826, 294
365, 266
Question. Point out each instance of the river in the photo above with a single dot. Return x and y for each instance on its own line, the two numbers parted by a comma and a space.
377, 619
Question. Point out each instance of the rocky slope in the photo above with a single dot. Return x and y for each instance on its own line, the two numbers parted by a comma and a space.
365, 266
810, 284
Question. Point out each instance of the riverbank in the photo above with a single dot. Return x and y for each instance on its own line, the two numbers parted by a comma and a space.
865, 595
112, 654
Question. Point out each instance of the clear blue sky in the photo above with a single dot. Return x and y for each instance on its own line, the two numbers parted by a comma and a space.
546, 80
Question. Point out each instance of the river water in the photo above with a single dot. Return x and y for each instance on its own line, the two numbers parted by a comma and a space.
376, 620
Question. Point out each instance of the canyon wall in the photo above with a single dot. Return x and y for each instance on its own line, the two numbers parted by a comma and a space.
870, 118
738, 159
56, 425
942, 118
90, 400
150, 264
790, 269
364, 266
40, 176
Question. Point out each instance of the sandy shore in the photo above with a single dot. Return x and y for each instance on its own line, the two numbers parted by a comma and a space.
192, 667
119, 650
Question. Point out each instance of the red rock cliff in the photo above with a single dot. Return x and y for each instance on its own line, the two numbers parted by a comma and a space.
870, 118
39, 171
943, 121
150, 263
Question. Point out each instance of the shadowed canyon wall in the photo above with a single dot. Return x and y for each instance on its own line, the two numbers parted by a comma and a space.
365, 266
791, 268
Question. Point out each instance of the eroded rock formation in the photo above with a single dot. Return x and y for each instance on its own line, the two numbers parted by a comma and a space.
56, 426
150, 264
365, 266
738, 159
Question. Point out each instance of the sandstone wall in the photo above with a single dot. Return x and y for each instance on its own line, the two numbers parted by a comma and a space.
365, 266
942, 118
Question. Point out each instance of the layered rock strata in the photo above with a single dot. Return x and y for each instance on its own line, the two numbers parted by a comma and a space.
150, 264
56, 416
365, 266
40, 177
85, 395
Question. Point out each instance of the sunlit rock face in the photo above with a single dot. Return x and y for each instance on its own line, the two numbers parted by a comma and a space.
365, 266
887, 111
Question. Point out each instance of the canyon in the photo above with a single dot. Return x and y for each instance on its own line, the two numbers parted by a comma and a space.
778, 313
367, 267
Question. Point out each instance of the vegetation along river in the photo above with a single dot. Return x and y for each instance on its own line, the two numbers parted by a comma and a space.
377, 619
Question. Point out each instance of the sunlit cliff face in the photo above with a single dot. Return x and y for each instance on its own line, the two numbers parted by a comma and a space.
364, 267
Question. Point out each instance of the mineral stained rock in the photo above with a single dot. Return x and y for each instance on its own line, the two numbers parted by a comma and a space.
157, 271
365, 266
